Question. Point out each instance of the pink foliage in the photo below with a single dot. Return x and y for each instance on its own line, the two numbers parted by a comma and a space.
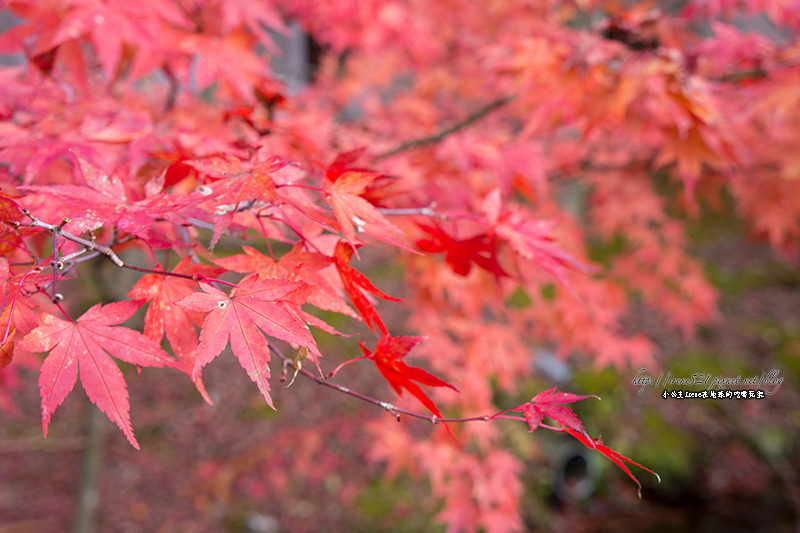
483, 147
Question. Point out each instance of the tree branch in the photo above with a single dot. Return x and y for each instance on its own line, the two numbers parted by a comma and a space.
96, 249
475, 116
58, 230
427, 211
388, 407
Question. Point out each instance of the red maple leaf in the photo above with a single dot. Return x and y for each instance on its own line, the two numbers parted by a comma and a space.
296, 264
240, 180
354, 282
237, 182
105, 202
108, 26
85, 344
7, 333
344, 187
461, 253
23, 309
388, 355
164, 315
9, 213
228, 60
531, 239
617, 458
551, 404
254, 308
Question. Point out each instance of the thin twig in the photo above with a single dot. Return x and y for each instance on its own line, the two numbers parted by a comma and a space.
388, 407
98, 249
757, 72
427, 211
58, 229
193, 277
473, 117
56, 264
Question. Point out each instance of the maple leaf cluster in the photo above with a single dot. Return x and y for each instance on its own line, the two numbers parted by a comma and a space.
484, 148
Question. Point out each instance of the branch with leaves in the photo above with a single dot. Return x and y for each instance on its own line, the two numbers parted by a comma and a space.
257, 305
387, 358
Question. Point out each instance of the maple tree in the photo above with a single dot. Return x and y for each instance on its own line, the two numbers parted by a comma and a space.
483, 146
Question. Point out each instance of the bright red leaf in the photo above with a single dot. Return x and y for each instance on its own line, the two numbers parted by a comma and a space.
297, 264
237, 182
240, 180
388, 355
460, 254
164, 315
551, 404
9, 212
617, 458
344, 187
530, 238
354, 282
85, 344
7, 333
253, 309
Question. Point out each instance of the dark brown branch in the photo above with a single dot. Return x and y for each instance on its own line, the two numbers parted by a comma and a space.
438, 137
757, 72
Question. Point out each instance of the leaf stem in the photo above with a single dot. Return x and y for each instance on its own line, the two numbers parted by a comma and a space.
338, 368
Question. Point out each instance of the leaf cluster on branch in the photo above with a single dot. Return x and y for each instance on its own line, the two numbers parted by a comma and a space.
482, 146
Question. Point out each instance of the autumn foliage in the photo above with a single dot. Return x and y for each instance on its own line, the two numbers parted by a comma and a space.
487, 148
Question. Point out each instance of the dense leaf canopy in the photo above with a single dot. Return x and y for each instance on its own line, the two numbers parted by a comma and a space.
482, 146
